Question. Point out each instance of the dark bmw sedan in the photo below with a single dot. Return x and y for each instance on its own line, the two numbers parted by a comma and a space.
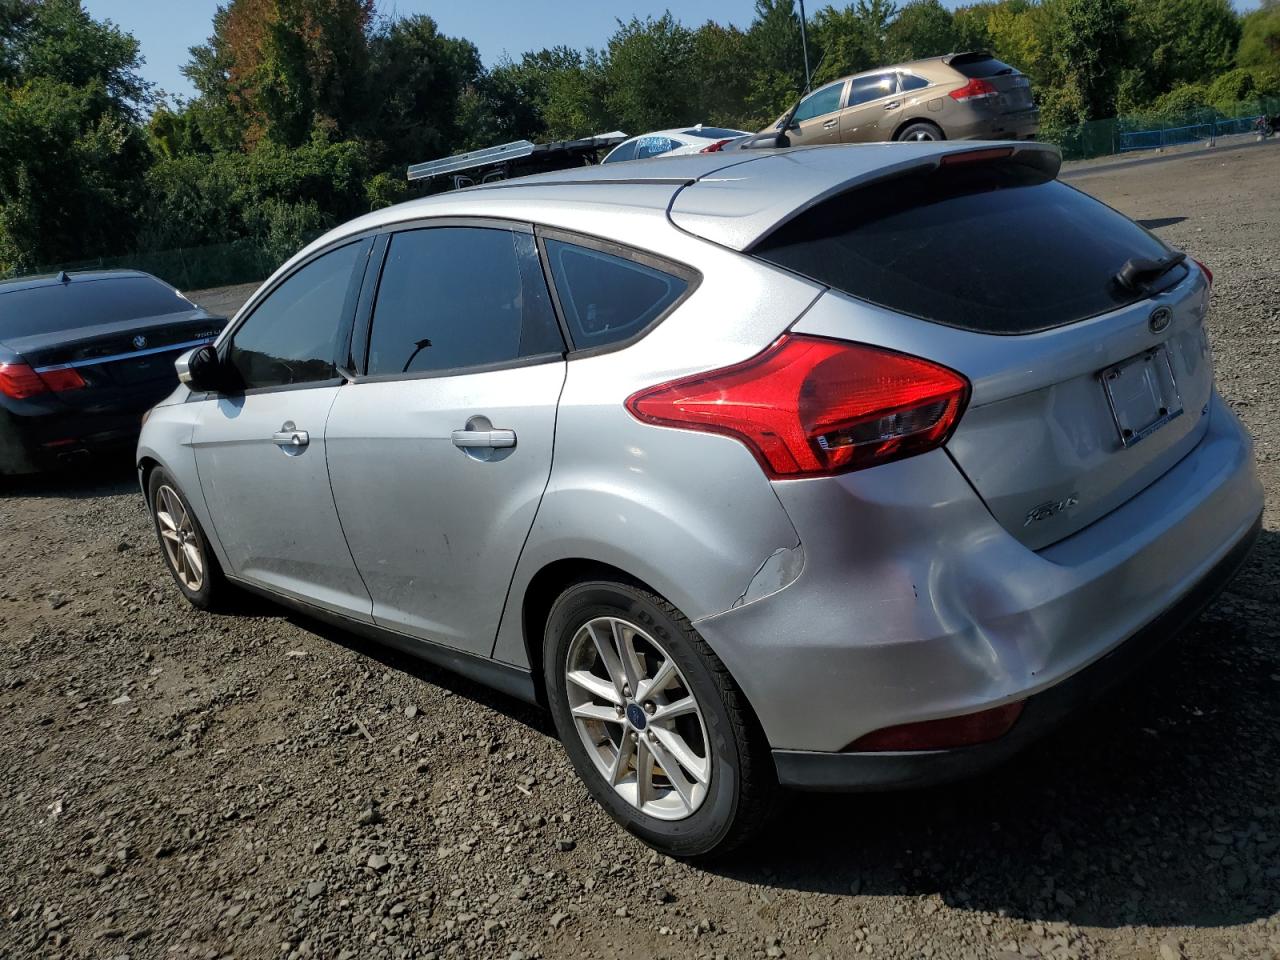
83, 356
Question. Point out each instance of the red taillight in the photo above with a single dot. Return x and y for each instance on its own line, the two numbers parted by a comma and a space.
716, 147
944, 734
975, 89
1208, 274
19, 381
809, 406
62, 378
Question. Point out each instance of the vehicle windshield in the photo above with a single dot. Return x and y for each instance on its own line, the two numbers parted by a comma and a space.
83, 303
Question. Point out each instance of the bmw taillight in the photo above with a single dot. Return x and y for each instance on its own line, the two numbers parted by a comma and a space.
20, 381
810, 406
975, 89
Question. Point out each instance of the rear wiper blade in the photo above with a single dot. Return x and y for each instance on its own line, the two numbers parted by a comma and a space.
1139, 272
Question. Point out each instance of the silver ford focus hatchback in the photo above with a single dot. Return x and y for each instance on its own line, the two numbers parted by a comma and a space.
837, 468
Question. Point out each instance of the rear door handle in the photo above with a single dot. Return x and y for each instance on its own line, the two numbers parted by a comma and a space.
484, 438
829, 124
290, 436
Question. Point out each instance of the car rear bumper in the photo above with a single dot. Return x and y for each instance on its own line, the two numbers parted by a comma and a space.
985, 124
810, 770
914, 604
44, 433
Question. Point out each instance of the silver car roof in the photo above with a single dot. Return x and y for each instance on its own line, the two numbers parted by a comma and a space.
733, 198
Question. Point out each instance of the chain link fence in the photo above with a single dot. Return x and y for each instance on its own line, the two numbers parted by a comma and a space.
1117, 135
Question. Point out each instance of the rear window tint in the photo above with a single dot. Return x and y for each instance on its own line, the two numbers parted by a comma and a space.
608, 299
981, 67
626, 151
84, 303
995, 248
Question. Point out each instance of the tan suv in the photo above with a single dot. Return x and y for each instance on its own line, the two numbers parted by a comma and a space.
962, 96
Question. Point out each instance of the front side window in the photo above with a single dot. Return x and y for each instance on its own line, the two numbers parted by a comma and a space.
826, 100
624, 151
608, 299
458, 297
293, 335
866, 89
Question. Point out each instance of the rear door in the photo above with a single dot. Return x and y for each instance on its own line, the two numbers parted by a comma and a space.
817, 119
874, 108
440, 452
1085, 391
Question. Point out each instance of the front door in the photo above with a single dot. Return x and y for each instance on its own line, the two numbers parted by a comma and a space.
260, 447
874, 108
817, 119
439, 454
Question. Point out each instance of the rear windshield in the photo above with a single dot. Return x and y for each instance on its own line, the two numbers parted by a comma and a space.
981, 66
995, 248
714, 133
84, 303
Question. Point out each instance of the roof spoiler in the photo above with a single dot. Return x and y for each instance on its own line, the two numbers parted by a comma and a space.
971, 56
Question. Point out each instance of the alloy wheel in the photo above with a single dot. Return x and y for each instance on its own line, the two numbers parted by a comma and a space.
178, 534
638, 718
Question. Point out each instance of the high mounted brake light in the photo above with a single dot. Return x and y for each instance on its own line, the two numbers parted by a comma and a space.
975, 156
809, 406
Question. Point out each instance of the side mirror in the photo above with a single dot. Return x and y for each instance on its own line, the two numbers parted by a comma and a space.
199, 369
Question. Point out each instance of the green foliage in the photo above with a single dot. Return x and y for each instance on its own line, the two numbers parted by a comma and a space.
1260, 37
308, 111
646, 70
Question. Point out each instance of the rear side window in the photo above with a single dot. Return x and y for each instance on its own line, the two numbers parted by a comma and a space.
608, 299
457, 297
981, 66
866, 89
910, 81
995, 248
85, 303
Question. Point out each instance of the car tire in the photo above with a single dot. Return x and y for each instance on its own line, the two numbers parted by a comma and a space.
921, 130
190, 561
717, 737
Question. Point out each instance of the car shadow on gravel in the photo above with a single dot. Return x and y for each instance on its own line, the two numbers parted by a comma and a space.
1157, 806
104, 475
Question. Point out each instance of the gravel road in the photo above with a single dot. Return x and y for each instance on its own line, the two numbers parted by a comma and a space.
183, 785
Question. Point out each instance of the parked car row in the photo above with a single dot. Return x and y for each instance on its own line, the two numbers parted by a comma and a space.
961, 96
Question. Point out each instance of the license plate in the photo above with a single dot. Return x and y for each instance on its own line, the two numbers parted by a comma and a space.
1143, 394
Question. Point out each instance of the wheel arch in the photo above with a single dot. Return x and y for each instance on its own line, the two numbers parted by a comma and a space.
897, 131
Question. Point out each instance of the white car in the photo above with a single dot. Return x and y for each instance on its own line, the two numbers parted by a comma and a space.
697, 139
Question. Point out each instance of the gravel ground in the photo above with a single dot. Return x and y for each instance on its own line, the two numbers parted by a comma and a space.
184, 785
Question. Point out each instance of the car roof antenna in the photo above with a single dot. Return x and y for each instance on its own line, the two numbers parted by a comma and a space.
62, 277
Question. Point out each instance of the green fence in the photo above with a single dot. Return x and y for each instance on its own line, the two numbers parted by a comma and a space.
188, 268
1102, 138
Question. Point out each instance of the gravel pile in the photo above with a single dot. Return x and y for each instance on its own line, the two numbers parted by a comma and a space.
182, 785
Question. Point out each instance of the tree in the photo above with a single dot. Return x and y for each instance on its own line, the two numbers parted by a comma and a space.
1089, 44
418, 74
1182, 41
647, 66
923, 28
774, 50
723, 70
1260, 37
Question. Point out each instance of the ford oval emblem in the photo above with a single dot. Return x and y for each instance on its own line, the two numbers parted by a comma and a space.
1159, 319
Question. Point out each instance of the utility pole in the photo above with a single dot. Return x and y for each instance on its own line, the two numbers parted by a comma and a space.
804, 48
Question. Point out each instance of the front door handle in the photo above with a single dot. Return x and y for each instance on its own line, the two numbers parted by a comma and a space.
894, 105
830, 123
489, 439
290, 436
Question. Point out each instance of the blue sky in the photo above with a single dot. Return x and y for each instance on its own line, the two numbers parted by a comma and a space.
167, 28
